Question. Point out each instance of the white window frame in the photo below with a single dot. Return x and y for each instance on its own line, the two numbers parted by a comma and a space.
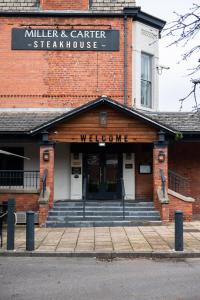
147, 82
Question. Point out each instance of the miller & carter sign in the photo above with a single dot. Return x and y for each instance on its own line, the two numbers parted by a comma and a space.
65, 39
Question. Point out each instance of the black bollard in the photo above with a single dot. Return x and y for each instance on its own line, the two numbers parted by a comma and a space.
11, 225
30, 231
178, 230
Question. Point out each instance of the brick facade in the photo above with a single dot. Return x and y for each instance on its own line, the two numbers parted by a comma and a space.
49, 166
24, 201
64, 4
62, 78
184, 159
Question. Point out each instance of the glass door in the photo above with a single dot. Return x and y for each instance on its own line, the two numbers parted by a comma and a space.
103, 173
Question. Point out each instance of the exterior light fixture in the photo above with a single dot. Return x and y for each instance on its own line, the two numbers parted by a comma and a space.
161, 156
46, 155
102, 144
103, 118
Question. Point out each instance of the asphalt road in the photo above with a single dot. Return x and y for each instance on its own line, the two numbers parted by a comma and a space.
90, 279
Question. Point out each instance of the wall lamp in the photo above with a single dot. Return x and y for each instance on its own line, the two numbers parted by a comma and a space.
46, 155
161, 156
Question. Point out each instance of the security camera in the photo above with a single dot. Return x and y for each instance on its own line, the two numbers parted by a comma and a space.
163, 67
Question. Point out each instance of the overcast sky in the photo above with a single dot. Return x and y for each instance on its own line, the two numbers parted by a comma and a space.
174, 83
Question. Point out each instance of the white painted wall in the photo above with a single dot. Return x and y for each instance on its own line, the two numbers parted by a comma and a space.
76, 180
145, 39
62, 172
32, 151
129, 175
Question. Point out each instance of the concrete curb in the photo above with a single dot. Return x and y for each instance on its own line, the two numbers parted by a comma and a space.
105, 255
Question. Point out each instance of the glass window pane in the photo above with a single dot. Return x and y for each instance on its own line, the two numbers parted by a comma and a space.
146, 74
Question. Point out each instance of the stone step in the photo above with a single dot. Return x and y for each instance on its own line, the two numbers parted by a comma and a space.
103, 213
103, 204
103, 224
101, 209
102, 218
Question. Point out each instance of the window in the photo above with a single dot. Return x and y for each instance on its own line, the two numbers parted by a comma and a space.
146, 80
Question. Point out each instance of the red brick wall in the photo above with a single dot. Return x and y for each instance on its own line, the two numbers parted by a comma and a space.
49, 165
64, 4
61, 78
177, 204
24, 202
184, 158
157, 166
143, 182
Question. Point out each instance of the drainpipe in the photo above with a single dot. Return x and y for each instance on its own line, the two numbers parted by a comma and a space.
125, 60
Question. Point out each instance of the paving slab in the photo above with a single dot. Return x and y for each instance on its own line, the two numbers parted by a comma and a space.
107, 240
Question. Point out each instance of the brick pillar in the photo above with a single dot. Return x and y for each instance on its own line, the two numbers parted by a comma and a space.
159, 148
49, 165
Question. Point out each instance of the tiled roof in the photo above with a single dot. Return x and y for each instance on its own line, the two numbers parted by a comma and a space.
181, 121
19, 5
20, 121
110, 5
24, 121
95, 5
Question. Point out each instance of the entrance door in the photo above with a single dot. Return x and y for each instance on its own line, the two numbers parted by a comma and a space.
103, 173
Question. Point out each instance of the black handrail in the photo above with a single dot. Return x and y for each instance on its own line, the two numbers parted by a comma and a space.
163, 182
178, 183
44, 182
84, 195
123, 196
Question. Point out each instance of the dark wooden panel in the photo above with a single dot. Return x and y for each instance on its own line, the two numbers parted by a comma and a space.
131, 129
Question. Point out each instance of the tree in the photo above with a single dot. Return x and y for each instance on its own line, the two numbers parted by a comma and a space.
182, 31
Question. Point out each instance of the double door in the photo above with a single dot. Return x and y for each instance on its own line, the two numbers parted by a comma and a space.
103, 172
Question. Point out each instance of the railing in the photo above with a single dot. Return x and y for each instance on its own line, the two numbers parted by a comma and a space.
84, 195
163, 183
19, 180
178, 183
123, 196
44, 182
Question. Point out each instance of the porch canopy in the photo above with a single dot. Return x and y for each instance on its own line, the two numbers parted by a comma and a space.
103, 120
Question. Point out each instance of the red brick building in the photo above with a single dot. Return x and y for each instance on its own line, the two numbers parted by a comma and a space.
79, 100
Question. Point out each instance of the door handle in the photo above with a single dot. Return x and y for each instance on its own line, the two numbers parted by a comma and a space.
100, 175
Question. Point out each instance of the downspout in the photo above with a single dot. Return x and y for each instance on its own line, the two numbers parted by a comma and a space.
125, 60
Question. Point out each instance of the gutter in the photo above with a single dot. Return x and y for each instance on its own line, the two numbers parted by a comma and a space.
134, 12
125, 61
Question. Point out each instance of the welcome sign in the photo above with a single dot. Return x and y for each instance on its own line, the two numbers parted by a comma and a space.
64, 39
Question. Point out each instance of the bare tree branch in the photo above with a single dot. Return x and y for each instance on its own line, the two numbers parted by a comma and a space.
183, 30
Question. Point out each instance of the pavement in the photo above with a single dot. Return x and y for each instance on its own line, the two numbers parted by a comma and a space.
144, 240
50, 278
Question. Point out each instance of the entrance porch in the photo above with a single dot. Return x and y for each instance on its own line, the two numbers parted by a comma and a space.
100, 151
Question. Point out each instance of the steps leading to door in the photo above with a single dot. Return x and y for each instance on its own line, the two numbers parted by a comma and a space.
102, 213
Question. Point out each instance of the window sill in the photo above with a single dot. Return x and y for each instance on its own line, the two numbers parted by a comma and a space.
19, 191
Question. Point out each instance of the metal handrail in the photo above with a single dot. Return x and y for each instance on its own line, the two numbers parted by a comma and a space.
84, 195
178, 183
44, 182
123, 197
163, 182
19, 179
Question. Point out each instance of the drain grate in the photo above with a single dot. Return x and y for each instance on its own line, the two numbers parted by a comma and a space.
191, 230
